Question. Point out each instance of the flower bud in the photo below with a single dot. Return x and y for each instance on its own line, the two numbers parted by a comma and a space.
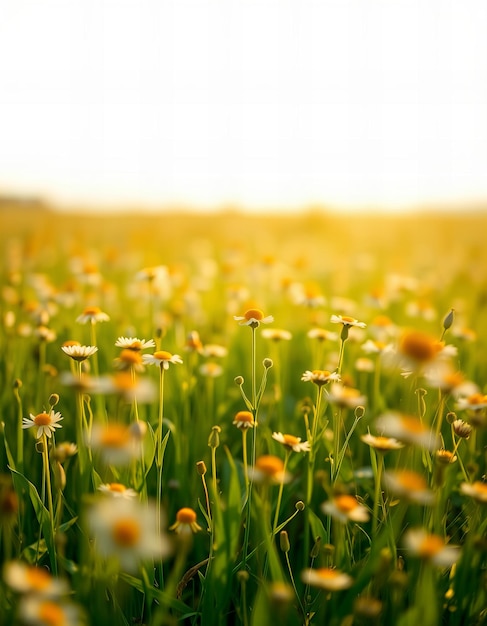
239, 380
214, 438
201, 468
448, 321
268, 363
284, 541
299, 505
53, 400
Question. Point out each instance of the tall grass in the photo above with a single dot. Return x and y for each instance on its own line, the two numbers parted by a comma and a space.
147, 504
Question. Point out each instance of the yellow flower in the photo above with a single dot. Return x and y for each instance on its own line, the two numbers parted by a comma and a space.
185, 522
269, 469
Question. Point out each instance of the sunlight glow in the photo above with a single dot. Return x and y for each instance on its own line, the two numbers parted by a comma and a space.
259, 103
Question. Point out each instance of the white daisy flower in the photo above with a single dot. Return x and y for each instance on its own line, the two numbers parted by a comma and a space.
46, 423
430, 547
253, 318
292, 442
92, 315
345, 508
320, 377
127, 531
346, 320
78, 352
409, 485
134, 343
476, 490
25, 578
117, 490
38, 611
408, 429
327, 578
161, 358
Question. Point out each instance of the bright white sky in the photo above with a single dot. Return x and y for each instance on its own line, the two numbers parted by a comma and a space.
259, 103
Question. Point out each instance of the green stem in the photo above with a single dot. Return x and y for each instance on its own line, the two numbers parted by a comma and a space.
47, 474
279, 496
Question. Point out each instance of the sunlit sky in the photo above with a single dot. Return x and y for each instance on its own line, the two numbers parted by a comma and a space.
255, 103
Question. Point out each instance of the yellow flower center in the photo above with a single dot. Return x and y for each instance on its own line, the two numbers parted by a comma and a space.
255, 314
346, 503
70, 343
326, 573
321, 373
431, 545
480, 487
43, 419
411, 481
413, 425
38, 578
51, 614
126, 532
130, 356
270, 465
163, 355
124, 381
348, 320
381, 443
135, 345
115, 436
92, 310
419, 346
476, 398
186, 516
453, 380
244, 416
117, 487
290, 440
381, 320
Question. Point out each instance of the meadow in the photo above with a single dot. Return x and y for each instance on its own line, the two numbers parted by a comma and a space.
236, 419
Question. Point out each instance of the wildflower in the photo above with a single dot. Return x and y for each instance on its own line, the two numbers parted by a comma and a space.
92, 315
430, 547
476, 490
185, 522
151, 274
129, 359
409, 485
126, 531
270, 469
38, 611
450, 381
418, 348
346, 321
382, 444
327, 578
292, 442
320, 334
115, 442
133, 343
345, 508
253, 318
375, 346
408, 429
475, 402
161, 358
445, 457
346, 397
64, 451
25, 578
382, 327
117, 490
127, 387
193, 342
244, 420
45, 334
78, 352
214, 350
462, 429
320, 377
46, 423
211, 370
276, 334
